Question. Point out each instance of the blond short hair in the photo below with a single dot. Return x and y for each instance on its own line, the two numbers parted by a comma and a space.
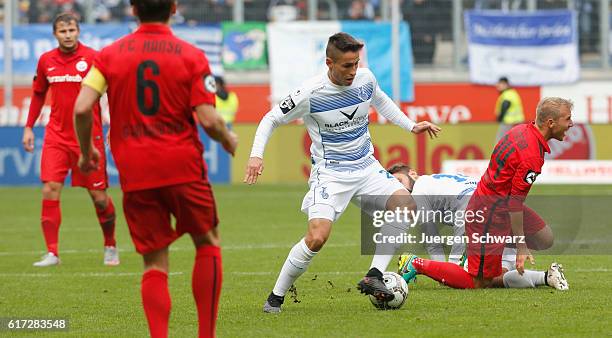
550, 108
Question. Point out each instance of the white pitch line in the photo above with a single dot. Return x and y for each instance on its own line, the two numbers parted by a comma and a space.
223, 247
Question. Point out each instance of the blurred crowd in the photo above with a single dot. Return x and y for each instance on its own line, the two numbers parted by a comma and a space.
430, 20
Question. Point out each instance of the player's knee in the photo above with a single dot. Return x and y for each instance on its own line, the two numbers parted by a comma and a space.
100, 204
315, 242
51, 190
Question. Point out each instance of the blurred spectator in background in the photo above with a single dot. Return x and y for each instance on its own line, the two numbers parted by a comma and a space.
508, 108
422, 16
227, 101
283, 10
360, 10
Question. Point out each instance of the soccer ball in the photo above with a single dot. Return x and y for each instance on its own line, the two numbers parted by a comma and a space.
398, 286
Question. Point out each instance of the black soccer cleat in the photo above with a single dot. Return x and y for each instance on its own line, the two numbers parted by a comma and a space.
273, 303
375, 286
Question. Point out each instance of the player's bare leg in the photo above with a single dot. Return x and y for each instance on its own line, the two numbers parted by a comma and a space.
206, 280
154, 292
105, 210
541, 240
298, 260
51, 217
372, 283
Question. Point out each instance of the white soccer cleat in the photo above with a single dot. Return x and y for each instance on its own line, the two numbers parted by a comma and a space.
556, 278
48, 260
111, 256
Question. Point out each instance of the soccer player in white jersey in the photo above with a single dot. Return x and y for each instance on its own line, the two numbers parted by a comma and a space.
452, 192
334, 107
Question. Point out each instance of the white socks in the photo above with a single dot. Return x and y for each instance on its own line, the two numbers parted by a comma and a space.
529, 279
296, 264
384, 252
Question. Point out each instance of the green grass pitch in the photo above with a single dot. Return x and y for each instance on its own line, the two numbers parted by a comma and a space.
258, 225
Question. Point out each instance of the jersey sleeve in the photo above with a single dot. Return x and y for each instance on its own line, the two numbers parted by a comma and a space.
95, 80
524, 177
203, 88
292, 107
40, 83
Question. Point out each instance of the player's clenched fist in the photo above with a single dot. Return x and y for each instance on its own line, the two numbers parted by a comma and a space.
253, 170
90, 164
28, 139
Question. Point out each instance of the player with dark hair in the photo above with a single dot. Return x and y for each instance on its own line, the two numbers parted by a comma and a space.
61, 71
514, 166
154, 82
335, 107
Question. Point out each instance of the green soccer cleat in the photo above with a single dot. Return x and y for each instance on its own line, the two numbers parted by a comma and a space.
405, 268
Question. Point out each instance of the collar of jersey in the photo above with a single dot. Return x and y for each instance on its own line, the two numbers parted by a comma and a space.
539, 135
155, 28
70, 55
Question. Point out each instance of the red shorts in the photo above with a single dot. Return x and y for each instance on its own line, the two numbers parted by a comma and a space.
148, 214
485, 259
58, 159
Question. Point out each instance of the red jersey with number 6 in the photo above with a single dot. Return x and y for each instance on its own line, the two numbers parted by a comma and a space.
514, 166
154, 81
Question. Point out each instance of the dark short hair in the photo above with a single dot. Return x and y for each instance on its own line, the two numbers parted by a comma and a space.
399, 168
504, 80
66, 18
153, 10
342, 42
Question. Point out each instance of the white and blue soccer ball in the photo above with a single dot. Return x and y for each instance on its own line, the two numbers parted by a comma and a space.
398, 286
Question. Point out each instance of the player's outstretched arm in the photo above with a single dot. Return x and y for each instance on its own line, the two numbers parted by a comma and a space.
215, 127
83, 123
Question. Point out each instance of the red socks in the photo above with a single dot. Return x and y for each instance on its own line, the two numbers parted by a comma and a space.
447, 273
156, 302
206, 286
51, 217
106, 217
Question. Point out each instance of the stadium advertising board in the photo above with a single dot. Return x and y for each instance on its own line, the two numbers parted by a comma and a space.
244, 45
18, 167
31, 41
530, 48
287, 157
592, 100
286, 51
553, 172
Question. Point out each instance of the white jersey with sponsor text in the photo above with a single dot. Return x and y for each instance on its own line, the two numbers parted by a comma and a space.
336, 118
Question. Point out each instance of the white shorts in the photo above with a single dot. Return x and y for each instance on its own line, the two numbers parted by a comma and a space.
331, 191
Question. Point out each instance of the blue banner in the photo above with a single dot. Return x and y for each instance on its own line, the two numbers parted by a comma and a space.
31, 41
529, 48
521, 28
18, 167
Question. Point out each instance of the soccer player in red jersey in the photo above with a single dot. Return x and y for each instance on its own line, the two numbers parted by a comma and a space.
61, 71
514, 166
154, 82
